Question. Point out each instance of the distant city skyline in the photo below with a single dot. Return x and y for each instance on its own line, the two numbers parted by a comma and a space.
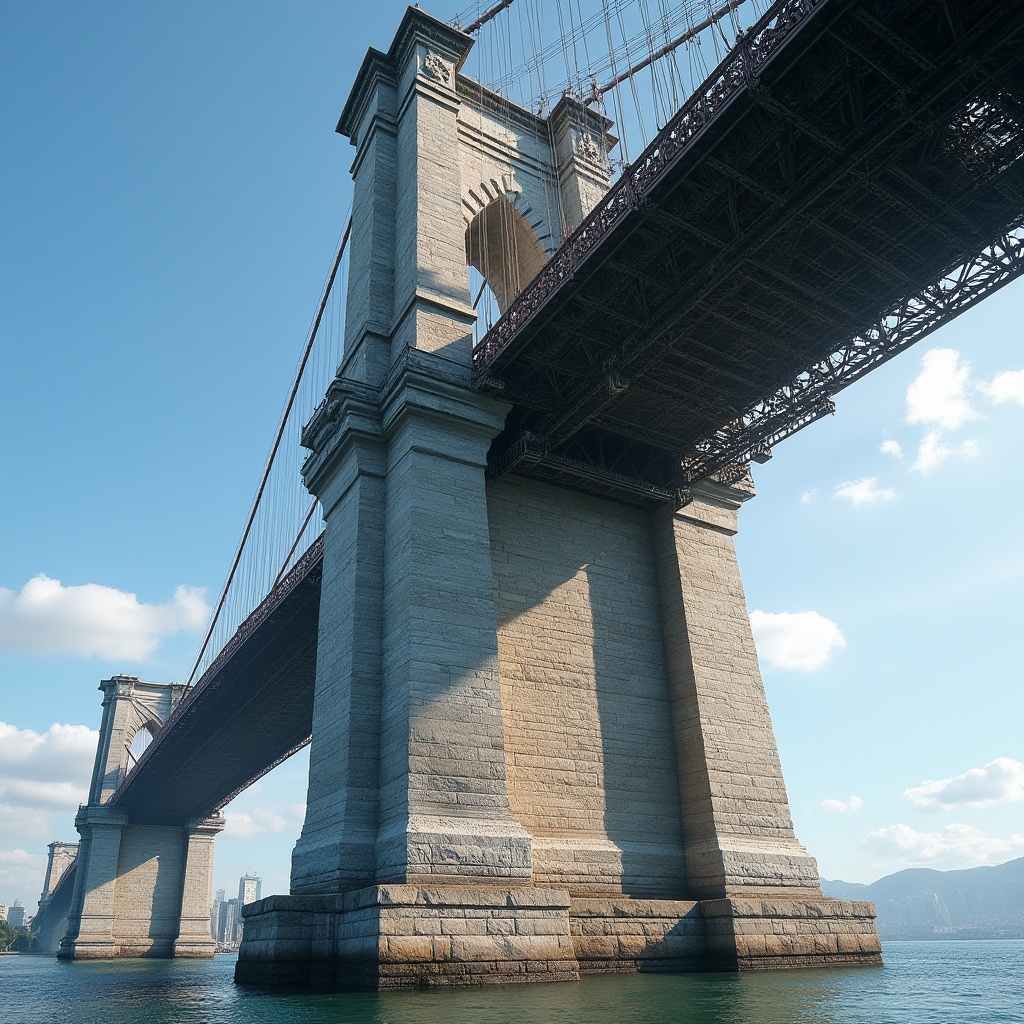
225, 914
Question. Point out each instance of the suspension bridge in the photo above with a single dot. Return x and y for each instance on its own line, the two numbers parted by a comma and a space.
843, 178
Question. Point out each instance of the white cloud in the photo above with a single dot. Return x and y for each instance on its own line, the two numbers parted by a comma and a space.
939, 398
21, 872
954, 846
43, 778
891, 447
62, 753
800, 641
863, 492
933, 451
21, 824
999, 782
242, 825
44, 795
938, 395
45, 617
807, 497
854, 803
1007, 386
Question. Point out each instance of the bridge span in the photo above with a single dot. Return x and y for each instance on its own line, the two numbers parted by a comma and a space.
250, 710
846, 181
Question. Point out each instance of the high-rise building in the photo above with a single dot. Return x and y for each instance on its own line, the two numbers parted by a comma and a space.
16, 914
3, 911
249, 888
229, 930
215, 912
226, 915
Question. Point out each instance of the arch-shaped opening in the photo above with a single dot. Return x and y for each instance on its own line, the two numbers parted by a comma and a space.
140, 741
503, 247
485, 304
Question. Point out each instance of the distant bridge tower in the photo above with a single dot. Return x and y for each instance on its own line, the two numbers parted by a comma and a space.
51, 918
540, 742
140, 890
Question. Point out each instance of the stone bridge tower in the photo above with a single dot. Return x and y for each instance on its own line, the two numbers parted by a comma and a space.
540, 739
51, 918
140, 890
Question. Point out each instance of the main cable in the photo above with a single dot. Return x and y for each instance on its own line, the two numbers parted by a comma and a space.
712, 19
328, 286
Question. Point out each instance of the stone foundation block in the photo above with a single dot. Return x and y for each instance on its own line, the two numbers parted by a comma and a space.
746, 934
408, 936
623, 934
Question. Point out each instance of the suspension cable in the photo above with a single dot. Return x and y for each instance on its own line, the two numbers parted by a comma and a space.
712, 19
487, 16
295, 544
277, 443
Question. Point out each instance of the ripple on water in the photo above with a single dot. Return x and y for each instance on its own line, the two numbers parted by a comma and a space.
921, 983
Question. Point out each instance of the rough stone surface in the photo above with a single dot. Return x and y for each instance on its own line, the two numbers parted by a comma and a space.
616, 934
751, 934
541, 740
141, 890
402, 936
738, 831
588, 723
147, 890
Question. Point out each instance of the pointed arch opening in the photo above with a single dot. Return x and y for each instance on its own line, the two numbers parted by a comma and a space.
140, 741
504, 249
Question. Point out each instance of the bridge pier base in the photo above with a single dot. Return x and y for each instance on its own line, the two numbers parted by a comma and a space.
194, 939
540, 739
90, 934
140, 890
402, 936
408, 936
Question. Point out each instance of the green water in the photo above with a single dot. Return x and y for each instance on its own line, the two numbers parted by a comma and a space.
921, 983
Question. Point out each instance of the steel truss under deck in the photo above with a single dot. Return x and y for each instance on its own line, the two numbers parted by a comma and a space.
849, 179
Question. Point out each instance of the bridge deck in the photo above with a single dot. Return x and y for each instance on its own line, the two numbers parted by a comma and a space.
251, 709
842, 159
847, 180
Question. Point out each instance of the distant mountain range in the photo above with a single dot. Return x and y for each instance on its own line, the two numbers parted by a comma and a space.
920, 903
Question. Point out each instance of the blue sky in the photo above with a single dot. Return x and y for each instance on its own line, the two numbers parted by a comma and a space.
171, 193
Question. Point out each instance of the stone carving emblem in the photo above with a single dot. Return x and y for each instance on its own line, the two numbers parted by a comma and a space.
588, 148
436, 68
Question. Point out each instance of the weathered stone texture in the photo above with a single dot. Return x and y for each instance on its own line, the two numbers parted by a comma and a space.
139, 890
736, 821
635, 934
588, 725
444, 800
147, 891
541, 741
129, 704
193, 936
402, 936
336, 849
782, 932
90, 932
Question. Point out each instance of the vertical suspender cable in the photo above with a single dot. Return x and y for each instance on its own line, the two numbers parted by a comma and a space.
277, 444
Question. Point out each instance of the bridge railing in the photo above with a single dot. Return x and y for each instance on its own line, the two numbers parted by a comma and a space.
737, 72
307, 562
284, 521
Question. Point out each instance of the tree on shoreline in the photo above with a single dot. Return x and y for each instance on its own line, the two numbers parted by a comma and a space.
14, 939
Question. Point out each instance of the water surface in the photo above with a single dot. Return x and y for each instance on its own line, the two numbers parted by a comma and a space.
921, 983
